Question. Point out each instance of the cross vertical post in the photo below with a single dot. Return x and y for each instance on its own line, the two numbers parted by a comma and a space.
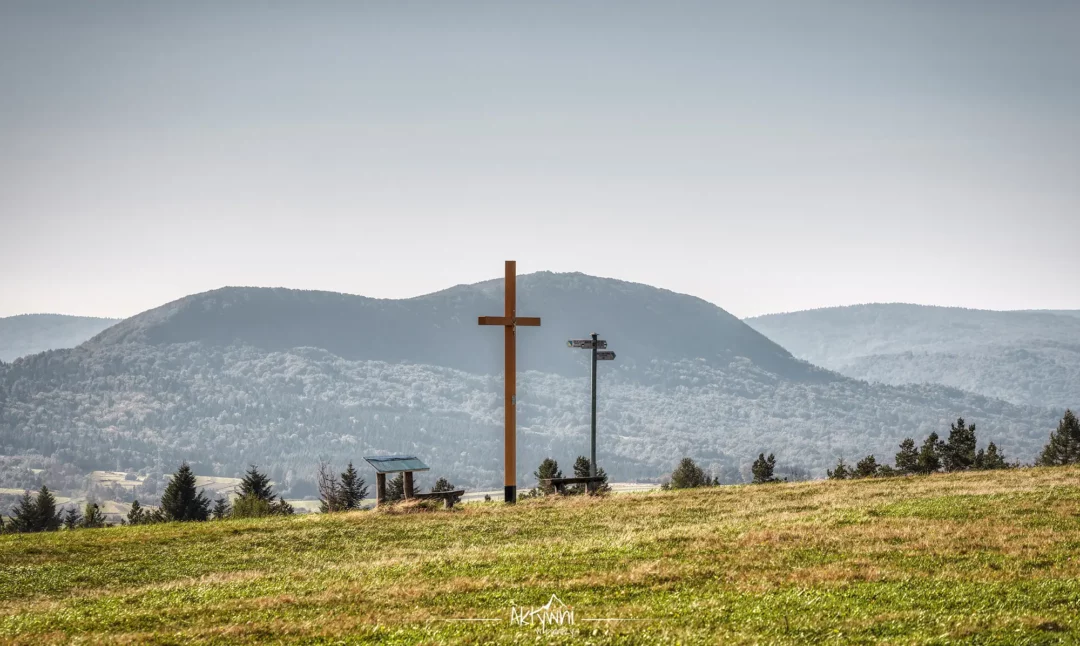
509, 320
592, 453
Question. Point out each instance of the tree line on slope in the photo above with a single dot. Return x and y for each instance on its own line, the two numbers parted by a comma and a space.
183, 501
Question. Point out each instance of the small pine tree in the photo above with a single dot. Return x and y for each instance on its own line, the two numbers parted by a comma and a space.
92, 517
256, 485
929, 460
866, 467
763, 468
136, 515
1064, 444
959, 453
442, 484
182, 501
688, 475
24, 514
221, 509
581, 470
281, 508
548, 469
395, 488
353, 489
48, 518
990, 459
841, 472
72, 518
907, 459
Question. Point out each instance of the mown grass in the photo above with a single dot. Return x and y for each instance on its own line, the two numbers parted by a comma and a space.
978, 557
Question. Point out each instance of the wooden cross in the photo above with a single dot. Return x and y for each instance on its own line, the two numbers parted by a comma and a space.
510, 321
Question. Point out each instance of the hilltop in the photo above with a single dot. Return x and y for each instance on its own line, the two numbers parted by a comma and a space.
281, 378
983, 557
1025, 357
32, 333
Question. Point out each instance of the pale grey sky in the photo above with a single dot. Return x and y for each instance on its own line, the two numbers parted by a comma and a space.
765, 156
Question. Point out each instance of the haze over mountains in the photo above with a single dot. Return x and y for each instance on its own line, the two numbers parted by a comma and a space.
1025, 357
281, 377
32, 333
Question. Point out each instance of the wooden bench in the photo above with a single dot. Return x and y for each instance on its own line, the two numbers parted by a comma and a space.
448, 497
592, 483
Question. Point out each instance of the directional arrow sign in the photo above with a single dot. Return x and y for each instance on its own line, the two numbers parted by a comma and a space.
605, 356
586, 344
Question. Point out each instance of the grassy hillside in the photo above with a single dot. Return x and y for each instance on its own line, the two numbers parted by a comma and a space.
984, 557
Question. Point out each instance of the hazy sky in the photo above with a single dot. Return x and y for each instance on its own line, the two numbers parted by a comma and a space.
764, 156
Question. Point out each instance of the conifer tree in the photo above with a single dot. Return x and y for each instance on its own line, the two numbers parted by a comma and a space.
256, 485
841, 472
688, 475
581, 470
92, 517
48, 518
866, 467
136, 515
353, 489
221, 509
959, 453
763, 468
182, 500
548, 469
1064, 444
395, 488
24, 514
72, 518
907, 459
442, 484
929, 462
990, 459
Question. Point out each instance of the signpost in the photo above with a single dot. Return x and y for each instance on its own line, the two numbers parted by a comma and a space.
596, 345
510, 321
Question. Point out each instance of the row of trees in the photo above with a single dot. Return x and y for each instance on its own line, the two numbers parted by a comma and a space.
182, 501
549, 468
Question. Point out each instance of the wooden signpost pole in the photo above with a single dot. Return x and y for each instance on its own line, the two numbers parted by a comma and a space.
510, 320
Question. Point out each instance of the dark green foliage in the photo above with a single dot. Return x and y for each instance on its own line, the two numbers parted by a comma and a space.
959, 450
866, 467
688, 475
92, 517
841, 472
256, 497
353, 489
907, 459
549, 468
395, 488
182, 501
1064, 444
763, 468
442, 484
221, 509
136, 515
72, 518
991, 458
24, 514
581, 470
256, 484
929, 455
36, 514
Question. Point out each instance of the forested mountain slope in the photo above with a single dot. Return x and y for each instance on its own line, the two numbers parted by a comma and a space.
1026, 357
32, 333
281, 377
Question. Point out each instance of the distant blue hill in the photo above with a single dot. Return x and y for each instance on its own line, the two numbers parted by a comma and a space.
1026, 357
32, 333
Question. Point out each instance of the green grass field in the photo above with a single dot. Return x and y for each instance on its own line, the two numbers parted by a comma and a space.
986, 558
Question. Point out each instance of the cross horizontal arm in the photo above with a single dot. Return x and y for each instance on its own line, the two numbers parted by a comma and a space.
492, 320
531, 321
